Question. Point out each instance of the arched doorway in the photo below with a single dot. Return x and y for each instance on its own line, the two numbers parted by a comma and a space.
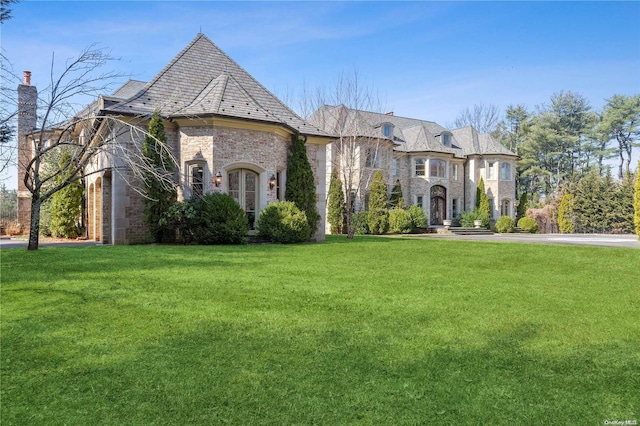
243, 187
438, 204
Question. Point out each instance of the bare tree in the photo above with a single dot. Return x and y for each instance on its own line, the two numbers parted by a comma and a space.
483, 117
346, 112
96, 141
8, 114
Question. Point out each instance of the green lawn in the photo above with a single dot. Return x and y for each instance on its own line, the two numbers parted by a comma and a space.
372, 331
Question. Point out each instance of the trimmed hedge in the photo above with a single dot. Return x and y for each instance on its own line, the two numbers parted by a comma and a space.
504, 225
283, 222
528, 224
399, 221
418, 217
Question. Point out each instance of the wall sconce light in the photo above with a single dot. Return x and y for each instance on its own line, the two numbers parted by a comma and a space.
272, 181
218, 180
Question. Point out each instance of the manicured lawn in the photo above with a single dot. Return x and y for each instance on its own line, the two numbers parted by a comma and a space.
373, 331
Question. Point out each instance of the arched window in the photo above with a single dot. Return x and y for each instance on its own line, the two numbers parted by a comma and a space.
505, 208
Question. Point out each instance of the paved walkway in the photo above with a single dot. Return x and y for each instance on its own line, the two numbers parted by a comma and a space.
606, 240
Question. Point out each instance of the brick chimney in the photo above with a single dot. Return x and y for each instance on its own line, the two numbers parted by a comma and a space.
27, 118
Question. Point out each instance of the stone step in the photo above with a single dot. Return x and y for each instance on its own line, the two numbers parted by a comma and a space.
469, 231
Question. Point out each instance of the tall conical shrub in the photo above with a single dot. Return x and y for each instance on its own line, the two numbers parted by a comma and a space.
66, 204
566, 223
396, 199
159, 197
378, 217
336, 206
482, 201
301, 188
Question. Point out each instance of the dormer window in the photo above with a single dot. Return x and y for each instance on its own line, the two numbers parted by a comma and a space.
387, 130
446, 139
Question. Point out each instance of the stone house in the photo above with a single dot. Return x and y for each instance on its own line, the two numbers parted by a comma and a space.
227, 132
438, 169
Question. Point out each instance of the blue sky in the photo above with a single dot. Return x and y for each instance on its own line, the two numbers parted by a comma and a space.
426, 59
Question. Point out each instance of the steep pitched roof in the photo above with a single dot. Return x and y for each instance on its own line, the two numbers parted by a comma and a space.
202, 80
480, 144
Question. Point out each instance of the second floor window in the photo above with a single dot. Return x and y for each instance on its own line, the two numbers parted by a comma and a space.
454, 171
420, 167
491, 170
437, 168
371, 158
505, 171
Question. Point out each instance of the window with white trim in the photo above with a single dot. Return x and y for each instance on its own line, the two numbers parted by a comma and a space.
505, 171
420, 167
454, 171
446, 139
455, 206
196, 179
395, 167
491, 170
437, 168
371, 157
492, 208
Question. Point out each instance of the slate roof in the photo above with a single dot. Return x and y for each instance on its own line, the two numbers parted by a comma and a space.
409, 134
203, 81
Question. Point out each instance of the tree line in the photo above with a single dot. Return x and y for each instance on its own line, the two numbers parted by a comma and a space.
570, 151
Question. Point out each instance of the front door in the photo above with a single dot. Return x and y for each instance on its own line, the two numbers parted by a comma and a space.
243, 187
438, 204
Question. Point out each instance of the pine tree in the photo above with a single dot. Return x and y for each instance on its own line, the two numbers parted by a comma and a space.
378, 218
636, 202
159, 198
301, 188
66, 204
565, 214
396, 199
336, 208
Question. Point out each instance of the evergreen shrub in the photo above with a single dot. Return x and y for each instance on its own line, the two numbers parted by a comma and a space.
467, 218
399, 221
528, 224
504, 225
360, 221
566, 223
283, 222
418, 217
378, 219
214, 219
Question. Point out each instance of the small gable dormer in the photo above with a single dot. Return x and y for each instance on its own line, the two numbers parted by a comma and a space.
446, 138
387, 130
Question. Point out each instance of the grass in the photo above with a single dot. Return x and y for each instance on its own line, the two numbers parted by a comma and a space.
372, 331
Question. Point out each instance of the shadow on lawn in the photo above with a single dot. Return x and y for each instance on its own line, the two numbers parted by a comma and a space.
244, 373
